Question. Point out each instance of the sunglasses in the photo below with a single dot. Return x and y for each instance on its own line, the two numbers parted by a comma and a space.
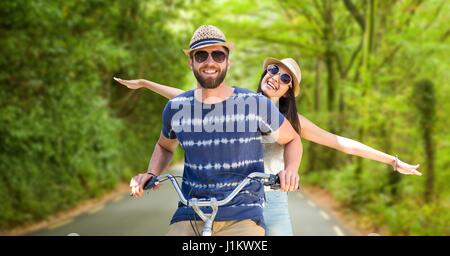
217, 56
273, 70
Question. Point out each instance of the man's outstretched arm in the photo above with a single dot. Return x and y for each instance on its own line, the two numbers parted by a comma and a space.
161, 157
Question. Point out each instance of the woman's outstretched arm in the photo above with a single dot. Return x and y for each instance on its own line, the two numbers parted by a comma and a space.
166, 91
312, 132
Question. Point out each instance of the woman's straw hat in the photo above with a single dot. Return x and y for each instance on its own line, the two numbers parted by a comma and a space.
293, 68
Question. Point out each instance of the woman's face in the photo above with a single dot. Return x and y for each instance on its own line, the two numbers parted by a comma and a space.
272, 85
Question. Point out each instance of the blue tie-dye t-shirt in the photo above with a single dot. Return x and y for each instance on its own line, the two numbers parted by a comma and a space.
222, 145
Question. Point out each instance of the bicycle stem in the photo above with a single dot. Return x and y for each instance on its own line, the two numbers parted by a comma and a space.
196, 203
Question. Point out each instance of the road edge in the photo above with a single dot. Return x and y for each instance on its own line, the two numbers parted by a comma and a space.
348, 220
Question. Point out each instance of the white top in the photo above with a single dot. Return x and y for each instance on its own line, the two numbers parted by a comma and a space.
273, 155
273, 158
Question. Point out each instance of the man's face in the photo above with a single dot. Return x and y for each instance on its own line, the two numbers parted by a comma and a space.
210, 65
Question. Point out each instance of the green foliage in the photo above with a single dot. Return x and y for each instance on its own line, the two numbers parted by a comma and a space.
68, 132
63, 134
370, 198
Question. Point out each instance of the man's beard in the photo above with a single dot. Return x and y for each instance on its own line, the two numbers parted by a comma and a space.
210, 83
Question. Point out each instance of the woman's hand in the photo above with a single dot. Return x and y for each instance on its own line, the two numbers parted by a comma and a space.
407, 169
288, 180
131, 84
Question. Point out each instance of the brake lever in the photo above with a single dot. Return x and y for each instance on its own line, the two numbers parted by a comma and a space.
273, 182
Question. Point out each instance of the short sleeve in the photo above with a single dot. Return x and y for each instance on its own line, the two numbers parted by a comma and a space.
167, 115
270, 118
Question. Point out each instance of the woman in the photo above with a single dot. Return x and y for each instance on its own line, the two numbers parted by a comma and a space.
280, 81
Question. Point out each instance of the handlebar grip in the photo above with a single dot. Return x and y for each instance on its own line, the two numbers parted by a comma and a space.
273, 182
277, 183
151, 183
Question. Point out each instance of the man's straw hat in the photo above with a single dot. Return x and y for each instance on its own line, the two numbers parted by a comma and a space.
207, 35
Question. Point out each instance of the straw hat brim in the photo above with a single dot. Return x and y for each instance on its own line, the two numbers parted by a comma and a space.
228, 45
268, 61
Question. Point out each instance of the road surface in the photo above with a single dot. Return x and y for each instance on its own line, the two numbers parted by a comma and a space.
151, 214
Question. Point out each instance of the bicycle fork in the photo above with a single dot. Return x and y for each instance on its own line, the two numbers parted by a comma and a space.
208, 218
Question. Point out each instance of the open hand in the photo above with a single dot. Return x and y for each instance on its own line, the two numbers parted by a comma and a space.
131, 84
408, 169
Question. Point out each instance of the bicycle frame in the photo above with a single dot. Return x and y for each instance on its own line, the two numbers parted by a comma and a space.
195, 203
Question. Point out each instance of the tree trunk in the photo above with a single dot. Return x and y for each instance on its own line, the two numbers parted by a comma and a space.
429, 153
331, 77
313, 147
425, 101
394, 177
366, 73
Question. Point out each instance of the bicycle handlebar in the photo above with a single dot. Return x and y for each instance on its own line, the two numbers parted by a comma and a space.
269, 180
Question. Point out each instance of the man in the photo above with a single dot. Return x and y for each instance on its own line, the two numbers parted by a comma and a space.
220, 128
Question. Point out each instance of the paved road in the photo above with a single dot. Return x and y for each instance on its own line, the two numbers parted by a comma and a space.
150, 215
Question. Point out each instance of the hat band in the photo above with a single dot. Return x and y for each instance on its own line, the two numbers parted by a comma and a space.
206, 41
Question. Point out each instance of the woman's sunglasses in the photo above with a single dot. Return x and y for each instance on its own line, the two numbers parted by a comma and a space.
217, 56
273, 70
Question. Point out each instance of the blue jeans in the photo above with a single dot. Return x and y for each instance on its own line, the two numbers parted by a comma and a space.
276, 214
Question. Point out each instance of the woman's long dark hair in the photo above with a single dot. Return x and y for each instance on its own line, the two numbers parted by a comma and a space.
287, 105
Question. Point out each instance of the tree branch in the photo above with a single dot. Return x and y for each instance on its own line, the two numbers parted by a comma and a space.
396, 49
445, 35
320, 9
284, 42
389, 57
435, 16
344, 71
351, 8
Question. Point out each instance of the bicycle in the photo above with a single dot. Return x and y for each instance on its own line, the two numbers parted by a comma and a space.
268, 180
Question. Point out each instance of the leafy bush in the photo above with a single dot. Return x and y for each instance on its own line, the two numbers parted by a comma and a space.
63, 135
